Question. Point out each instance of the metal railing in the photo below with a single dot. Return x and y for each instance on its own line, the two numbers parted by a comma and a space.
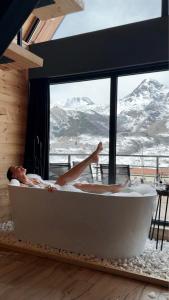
158, 166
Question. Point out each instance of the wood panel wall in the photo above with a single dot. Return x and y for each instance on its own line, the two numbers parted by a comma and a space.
13, 117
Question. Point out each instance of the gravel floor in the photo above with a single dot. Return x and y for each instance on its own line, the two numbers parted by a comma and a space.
152, 262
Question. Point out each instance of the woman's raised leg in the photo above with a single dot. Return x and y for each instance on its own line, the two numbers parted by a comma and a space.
78, 169
100, 188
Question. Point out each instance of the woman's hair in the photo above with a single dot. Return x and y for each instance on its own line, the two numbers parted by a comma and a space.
9, 174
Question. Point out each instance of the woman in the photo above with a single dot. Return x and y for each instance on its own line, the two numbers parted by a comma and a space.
19, 173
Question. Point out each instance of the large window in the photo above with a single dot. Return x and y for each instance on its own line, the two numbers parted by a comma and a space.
79, 119
143, 124
101, 14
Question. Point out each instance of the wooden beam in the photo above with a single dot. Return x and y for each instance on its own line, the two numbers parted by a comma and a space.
27, 26
59, 8
23, 59
13, 14
46, 30
24, 44
43, 32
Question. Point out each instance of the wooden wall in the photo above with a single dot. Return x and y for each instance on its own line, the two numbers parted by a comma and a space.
13, 116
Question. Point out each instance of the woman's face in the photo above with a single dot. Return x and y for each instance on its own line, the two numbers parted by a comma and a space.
18, 171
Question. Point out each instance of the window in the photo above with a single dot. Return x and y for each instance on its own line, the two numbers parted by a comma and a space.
102, 14
79, 119
143, 124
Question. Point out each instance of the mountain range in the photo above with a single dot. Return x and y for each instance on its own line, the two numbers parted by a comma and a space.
142, 120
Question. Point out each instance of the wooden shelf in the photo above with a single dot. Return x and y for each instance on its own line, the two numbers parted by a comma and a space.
21, 58
58, 8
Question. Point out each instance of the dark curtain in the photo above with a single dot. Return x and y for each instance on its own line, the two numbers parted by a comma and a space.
36, 158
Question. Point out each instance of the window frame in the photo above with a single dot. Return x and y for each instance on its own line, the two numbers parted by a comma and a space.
164, 13
156, 67
113, 100
164, 8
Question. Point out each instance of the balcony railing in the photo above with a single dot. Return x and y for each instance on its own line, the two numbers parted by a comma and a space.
144, 167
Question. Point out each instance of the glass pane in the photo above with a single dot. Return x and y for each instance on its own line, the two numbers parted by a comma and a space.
101, 14
79, 120
143, 125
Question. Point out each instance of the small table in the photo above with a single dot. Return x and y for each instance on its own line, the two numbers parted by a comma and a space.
157, 219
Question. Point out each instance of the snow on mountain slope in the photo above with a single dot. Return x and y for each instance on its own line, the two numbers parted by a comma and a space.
149, 90
142, 121
145, 109
76, 102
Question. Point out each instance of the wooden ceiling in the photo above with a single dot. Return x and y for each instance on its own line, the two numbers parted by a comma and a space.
33, 31
37, 31
41, 24
48, 9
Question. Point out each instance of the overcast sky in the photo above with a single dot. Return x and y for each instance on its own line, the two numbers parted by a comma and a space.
100, 14
99, 90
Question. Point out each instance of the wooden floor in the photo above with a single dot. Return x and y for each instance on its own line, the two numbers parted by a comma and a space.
26, 277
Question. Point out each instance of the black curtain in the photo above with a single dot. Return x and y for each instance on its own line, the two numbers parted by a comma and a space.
36, 158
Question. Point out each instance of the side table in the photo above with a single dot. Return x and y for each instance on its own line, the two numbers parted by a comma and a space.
157, 219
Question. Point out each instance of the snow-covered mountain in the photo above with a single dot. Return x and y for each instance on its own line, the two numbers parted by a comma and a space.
143, 117
73, 122
78, 102
146, 92
143, 120
146, 105
84, 104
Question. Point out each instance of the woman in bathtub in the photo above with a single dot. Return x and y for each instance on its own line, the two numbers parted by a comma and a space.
19, 173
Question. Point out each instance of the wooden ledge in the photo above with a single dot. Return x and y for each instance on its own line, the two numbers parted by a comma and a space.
86, 264
21, 58
10, 242
58, 8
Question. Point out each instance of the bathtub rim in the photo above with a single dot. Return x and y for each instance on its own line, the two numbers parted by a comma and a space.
13, 187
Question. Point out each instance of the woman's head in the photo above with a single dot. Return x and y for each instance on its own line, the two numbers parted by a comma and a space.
16, 172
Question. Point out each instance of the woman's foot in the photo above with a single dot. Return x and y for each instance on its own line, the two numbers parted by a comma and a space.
99, 148
116, 188
95, 157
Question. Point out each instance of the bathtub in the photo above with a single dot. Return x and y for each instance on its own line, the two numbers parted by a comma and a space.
102, 225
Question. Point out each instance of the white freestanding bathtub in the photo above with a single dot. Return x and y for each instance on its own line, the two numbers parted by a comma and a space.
101, 225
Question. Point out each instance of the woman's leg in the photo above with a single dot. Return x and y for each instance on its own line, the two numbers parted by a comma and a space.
78, 169
99, 188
